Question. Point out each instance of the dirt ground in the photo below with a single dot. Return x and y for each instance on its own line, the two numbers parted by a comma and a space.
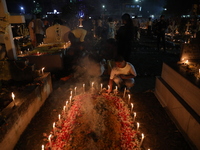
160, 132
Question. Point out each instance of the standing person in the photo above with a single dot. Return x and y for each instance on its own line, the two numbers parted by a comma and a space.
161, 27
111, 28
149, 27
124, 37
31, 32
136, 25
39, 29
122, 74
88, 26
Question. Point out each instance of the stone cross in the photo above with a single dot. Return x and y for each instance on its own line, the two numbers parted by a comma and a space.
6, 35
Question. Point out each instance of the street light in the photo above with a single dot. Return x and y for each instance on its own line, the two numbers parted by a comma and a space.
103, 6
22, 10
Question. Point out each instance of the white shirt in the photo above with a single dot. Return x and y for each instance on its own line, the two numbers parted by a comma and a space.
127, 70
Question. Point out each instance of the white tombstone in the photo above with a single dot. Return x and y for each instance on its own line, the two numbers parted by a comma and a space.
6, 35
56, 33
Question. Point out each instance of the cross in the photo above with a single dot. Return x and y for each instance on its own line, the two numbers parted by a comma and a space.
6, 35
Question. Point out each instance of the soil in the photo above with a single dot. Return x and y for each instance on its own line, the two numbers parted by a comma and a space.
159, 130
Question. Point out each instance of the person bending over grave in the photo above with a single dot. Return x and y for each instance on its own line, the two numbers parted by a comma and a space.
122, 74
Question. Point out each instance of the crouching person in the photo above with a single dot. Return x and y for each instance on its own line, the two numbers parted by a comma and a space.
122, 74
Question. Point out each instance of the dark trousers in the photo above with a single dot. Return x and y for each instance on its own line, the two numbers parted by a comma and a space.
39, 38
161, 40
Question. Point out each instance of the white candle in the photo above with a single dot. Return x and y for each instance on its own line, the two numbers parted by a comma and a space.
49, 138
108, 87
42, 147
141, 140
71, 93
138, 125
64, 109
134, 116
13, 98
83, 88
70, 100
92, 84
59, 117
54, 130
101, 86
43, 70
129, 97
116, 88
124, 93
75, 90
132, 107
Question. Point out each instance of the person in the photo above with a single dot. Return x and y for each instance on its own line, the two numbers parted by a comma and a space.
124, 37
123, 73
136, 25
39, 29
80, 34
111, 28
149, 27
31, 32
161, 27
88, 26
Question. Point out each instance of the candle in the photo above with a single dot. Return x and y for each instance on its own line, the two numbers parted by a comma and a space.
134, 116
66, 105
13, 98
43, 70
132, 107
92, 84
71, 93
108, 87
75, 90
101, 86
116, 88
186, 62
38, 53
64, 109
49, 138
83, 88
124, 93
138, 125
42, 147
129, 97
199, 71
141, 140
70, 99
59, 117
54, 130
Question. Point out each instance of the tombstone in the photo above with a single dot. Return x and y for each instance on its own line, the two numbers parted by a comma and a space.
57, 33
178, 91
6, 35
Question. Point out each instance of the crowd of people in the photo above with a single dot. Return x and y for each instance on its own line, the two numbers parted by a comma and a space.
108, 40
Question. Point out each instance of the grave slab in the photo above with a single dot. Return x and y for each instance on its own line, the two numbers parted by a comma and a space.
26, 107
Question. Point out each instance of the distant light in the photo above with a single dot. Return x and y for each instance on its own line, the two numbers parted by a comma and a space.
140, 9
55, 11
33, 1
136, 0
90, 17
103, 6
22, 8
152, 16
165, 8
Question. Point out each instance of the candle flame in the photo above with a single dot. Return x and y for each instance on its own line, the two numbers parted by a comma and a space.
64, 108
132, 105
138, 125
92, 84
134, 114
116, 87
54, 124
129, 96
186, 61
42, 147
43, 68
142, 136
59, 116
108, 86
66, 103
49, 137
13, 96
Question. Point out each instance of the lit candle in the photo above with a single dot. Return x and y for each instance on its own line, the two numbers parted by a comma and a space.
132, 107
54, 128
67, 105
108, 87
43, 70
59, 117
141, 140
64, 109
199, 71
42, 147
49, 138
83, 88
134, 116
124, 92
116, 88
13, 98
75, 90
186, 62
129, 97
70, 99
92, 84
71, 93
101, 86
138, 125
38, 53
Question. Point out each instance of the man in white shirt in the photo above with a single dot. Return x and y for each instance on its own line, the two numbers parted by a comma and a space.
123, 73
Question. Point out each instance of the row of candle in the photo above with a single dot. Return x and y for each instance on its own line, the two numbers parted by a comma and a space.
69, 103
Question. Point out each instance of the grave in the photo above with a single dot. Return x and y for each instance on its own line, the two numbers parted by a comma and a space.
178, 91
17, 114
